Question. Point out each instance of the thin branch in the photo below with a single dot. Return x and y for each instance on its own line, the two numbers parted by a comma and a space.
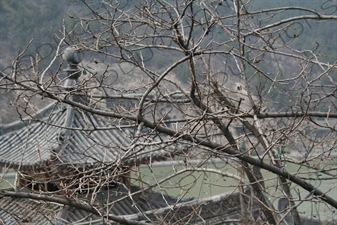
69, 202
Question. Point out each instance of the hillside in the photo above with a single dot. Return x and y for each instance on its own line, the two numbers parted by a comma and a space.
41, 21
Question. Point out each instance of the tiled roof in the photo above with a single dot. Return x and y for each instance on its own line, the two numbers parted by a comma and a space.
149, 206
26, 211
146, 206
86, 140
28, 143
139, 204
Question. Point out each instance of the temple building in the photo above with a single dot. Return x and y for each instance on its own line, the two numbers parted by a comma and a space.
73, 167
81, 156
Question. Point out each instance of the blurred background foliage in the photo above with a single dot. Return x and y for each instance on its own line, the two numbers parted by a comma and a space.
42, 21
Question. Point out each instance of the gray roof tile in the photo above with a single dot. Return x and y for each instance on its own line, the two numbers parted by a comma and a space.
25, 211
144, 205
34, 143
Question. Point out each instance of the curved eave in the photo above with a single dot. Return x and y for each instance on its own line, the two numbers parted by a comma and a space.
31, 146
39, 115
130, 162
25, 167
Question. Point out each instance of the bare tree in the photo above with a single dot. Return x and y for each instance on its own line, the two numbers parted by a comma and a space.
232, 80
